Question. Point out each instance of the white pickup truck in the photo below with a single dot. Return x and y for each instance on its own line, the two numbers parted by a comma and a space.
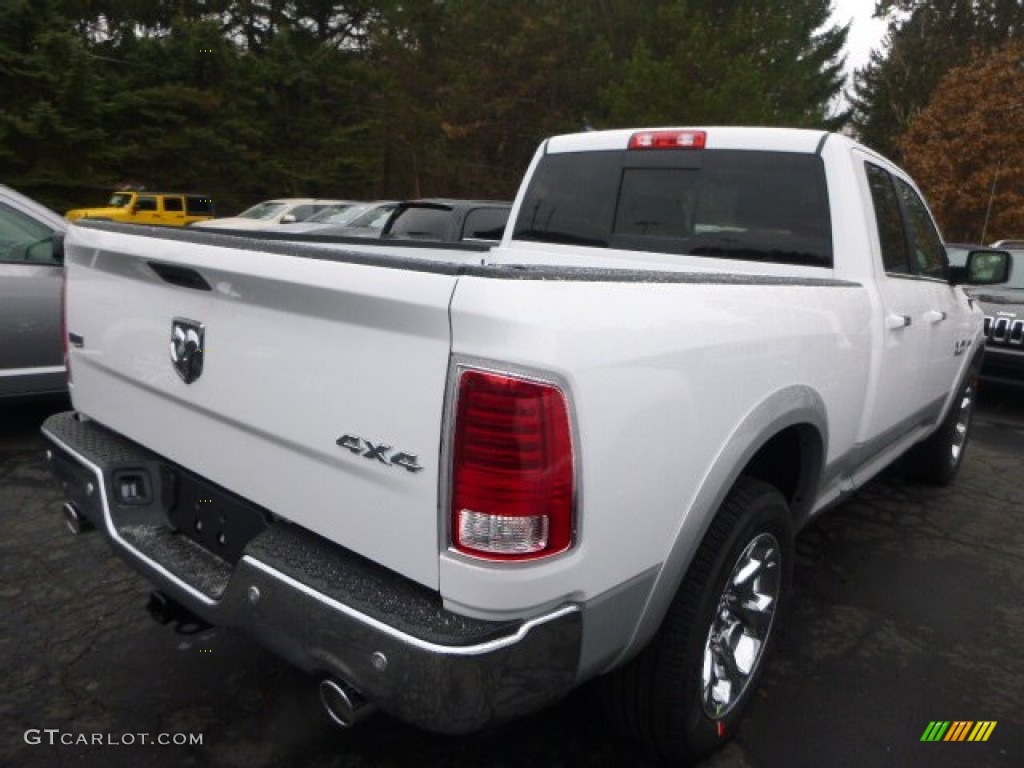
457, 483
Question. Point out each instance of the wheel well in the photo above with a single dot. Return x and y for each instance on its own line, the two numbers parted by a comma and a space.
791, 461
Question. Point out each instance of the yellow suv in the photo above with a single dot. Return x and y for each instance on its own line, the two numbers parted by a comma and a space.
169, 210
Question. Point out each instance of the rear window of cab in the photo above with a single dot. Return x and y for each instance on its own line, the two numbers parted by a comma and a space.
729, 204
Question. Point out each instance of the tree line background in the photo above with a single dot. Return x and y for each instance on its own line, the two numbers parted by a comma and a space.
368, 99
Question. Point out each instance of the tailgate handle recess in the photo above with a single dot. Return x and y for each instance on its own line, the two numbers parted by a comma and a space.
183, 277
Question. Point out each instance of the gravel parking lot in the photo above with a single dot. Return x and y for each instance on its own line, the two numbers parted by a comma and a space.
909, 608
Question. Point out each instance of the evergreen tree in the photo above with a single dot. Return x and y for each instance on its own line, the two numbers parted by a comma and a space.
50, 137
474, 85
750, 62
245, 99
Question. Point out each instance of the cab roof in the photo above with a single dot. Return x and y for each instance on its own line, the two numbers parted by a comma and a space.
717, 137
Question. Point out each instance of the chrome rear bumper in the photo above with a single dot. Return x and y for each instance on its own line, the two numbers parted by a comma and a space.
321, 607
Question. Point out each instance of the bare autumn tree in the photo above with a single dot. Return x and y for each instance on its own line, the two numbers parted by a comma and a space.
966, 148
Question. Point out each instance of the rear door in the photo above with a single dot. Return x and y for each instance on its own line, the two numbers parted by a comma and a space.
920, 312
321, 389
947, 320
173, 210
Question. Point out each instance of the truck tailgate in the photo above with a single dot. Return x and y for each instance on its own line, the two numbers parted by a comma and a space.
321, 392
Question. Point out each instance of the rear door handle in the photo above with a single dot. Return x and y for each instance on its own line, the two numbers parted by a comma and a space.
934, 316
895, 322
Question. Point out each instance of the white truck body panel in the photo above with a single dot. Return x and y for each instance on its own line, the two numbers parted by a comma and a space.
798, 356
297, 356
652, 367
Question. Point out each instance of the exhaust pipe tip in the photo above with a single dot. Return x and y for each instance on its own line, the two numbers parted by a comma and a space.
75, 521
344, 704
165, 611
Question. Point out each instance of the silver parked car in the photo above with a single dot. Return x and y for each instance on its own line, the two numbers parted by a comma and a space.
270, 213
31, 266
338, 215
367, 223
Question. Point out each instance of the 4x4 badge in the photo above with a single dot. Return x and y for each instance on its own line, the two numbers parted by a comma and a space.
187, 348
385, 454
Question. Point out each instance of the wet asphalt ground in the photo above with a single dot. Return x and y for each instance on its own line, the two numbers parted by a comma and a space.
908, 608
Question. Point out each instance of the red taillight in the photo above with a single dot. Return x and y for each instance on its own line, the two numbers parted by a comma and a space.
512, 468
668, 140
64, 320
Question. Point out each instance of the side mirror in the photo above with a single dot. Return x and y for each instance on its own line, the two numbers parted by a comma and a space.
983, 267
48, 250
288, 218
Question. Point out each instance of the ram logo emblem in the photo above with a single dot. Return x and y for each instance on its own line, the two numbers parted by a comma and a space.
187, 337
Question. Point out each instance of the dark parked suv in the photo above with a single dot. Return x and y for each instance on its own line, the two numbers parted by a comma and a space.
438, 220
448, 221
1004, 319
1004, 326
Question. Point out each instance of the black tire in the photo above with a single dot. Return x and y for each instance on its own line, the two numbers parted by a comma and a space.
659, 697
937, 460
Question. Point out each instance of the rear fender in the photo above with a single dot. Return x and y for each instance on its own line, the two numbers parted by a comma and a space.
787, 408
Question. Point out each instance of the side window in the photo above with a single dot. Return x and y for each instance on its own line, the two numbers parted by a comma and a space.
889, 219
145, 203
174, 204
485, 224
199, 206
303, 212
420, 223
928, 256
23, 239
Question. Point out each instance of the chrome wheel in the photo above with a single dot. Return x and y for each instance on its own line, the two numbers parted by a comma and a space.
963, 423
741, 625
685, 693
